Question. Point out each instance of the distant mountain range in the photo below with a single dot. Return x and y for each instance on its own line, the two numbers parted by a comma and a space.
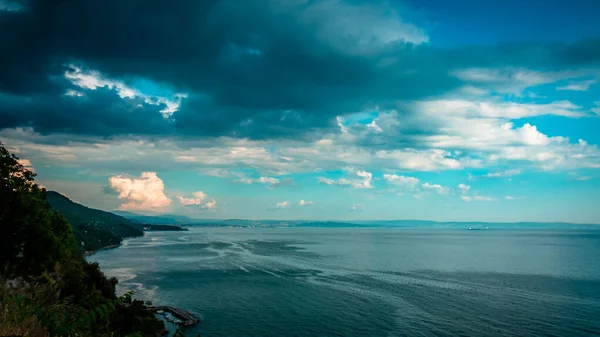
187, 221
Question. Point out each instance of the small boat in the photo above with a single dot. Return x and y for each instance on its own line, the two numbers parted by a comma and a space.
159, 312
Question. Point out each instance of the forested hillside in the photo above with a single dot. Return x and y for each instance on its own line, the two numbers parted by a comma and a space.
46, 287
93, 228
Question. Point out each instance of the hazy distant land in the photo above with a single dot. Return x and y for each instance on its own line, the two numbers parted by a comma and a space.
187, 221
96, 229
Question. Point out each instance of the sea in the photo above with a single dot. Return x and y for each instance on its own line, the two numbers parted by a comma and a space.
368, 281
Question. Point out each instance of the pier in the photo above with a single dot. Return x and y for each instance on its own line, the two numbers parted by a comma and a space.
187, 318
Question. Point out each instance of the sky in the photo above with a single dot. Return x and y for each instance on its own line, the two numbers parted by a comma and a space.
309, 109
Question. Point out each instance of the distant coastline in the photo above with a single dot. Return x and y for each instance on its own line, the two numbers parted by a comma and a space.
163, 228
150, 228
400, 224
182, 220
146, 228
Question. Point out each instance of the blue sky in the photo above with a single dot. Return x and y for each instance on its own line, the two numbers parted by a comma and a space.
489, 22
332, 109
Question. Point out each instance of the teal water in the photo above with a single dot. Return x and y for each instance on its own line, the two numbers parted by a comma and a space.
368, 282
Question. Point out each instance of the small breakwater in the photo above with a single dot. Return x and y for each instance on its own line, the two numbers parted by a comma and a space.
184, 317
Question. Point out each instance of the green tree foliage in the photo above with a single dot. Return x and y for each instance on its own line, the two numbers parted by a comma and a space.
135, 318
47, 288
33, 239
93, 228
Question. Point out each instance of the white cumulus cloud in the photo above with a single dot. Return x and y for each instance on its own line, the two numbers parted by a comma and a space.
464, 188
210, 204
438, 188
270, 182
507, 173
508, 197
366, 180
197, 199
529, 135
404, 181
145, 193
475, 198
91, 80
199, 196
363, 180
304, 203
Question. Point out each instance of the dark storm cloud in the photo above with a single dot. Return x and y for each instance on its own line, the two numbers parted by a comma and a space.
100, 112
203, 117
252, 68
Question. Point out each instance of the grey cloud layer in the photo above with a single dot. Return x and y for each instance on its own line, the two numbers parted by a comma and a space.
259, 69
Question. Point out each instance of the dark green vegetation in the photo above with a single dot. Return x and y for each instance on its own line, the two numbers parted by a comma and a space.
94, 229
47, 288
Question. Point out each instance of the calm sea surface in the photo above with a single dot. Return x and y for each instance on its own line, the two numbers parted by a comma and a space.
369, 282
